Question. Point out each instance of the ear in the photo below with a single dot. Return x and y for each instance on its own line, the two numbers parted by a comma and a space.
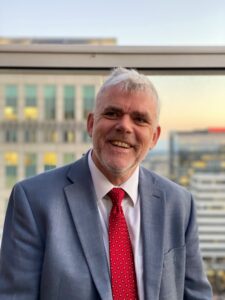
90, 123
155, 137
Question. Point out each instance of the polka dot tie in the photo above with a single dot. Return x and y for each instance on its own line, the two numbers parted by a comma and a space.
123, 277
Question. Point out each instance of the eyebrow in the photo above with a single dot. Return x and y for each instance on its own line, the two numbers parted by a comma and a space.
114, 108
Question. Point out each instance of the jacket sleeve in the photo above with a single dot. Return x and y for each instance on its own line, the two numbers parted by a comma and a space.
197, 286
21, 251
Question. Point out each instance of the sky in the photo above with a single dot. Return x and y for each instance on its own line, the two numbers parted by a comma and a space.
191, 102
131, 22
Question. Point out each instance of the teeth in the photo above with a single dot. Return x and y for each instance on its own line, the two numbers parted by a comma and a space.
120, 144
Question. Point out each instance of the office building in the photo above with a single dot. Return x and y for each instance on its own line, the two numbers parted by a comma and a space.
196, 151
42, 124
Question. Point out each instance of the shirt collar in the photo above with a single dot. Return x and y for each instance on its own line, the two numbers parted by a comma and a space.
102, 185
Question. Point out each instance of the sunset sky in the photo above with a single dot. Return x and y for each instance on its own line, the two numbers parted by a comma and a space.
191, 102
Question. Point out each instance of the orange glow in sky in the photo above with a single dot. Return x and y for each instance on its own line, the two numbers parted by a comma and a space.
190, 102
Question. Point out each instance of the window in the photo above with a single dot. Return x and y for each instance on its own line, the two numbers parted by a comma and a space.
11, 98
88, 93
11, 168
69, 104
30, 109
30, 163
11, 135
69, 136
86, 137
50, 160
50, 102
30, 135
50, 136
68, 158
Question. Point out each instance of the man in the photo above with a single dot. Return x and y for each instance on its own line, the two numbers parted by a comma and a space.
66, 232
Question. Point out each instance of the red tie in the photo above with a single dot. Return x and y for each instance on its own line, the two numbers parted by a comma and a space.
123, 277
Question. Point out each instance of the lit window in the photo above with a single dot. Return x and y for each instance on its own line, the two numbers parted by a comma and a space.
88, 93
50, 102
69, 105
11, 98
50, 160
30, 109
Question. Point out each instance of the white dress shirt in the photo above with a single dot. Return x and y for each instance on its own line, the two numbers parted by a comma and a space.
131, 209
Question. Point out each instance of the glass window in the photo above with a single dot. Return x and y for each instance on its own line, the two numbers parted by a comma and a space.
11, 168
11, 135
50, 102
50, 160
69, 136
30, 163
69, 104
11, 99
30, 135
86, 137
30, 109
68, 158
50, 136
88, 94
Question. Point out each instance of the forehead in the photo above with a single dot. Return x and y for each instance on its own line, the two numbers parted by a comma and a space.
132, 101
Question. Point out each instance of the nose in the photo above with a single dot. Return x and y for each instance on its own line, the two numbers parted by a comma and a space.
124, 124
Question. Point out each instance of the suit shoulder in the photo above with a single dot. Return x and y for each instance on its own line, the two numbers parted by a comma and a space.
163, 182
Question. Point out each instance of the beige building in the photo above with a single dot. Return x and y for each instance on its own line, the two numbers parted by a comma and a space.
42, 123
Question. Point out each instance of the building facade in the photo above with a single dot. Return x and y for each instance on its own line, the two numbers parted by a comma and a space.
197, 161
196, 151
42, 124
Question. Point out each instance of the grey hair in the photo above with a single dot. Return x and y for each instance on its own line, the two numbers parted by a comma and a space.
129, 81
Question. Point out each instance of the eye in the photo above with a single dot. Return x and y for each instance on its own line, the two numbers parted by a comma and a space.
140, 120
111, 114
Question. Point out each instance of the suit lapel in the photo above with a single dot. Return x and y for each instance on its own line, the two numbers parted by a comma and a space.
82, 202
152, 216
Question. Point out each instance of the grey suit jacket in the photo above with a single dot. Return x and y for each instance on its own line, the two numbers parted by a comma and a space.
52, 247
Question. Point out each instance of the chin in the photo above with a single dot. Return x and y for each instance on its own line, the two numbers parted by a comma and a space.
119, 169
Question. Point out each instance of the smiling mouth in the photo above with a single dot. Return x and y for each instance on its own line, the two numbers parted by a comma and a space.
121, 144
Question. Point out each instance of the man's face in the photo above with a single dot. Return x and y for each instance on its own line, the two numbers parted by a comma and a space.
123, 128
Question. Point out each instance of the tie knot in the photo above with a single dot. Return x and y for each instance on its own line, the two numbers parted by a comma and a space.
116, 195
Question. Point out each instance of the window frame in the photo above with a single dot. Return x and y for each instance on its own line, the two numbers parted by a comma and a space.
102, 58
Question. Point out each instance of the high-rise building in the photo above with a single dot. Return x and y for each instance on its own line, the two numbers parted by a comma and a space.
197, 160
